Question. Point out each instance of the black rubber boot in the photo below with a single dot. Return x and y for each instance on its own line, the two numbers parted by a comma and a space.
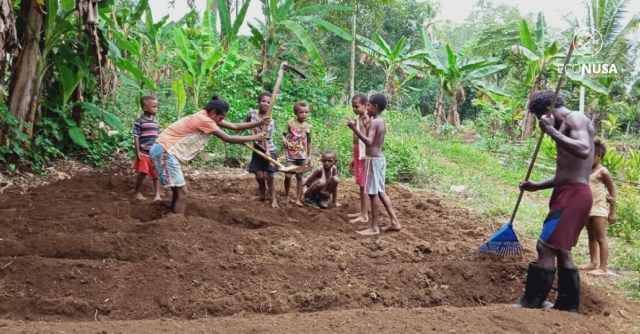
568, 297
539, 282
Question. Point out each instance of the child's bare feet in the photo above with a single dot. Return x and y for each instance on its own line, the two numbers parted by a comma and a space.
369, 231
392, 228
274, 203
354, 215
359, 219
588, 266
598, 272
298, 203
140, 197
157, 199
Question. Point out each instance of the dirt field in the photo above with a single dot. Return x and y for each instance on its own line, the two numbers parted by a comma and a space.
81, 256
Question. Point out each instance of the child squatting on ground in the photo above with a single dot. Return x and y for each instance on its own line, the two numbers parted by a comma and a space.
323, 182
602, 210
261, 167
375, 164
187, 137
297, 142
145, 132
359, 106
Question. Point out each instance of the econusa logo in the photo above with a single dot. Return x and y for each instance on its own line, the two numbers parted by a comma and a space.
589, 49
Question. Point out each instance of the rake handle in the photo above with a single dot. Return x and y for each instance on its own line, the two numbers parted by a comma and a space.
572, 46
264, 155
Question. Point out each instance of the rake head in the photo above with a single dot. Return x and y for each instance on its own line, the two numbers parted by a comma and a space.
502, 243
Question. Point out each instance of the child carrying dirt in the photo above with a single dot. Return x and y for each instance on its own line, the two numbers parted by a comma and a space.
323, 182
261, 167
359, 105
375, 164
603, 190
297, 141
187, 137
145, 132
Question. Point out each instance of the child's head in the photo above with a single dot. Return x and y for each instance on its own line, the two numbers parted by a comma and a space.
540, 101
599, 150
359, 103
328, 159
149, 105
301, 110
264, 101
377, 104
217, 108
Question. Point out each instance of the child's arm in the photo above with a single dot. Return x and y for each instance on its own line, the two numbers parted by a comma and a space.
239, 139
335, 196
607, 179
136, 139
314, 175
243, 126
309, 148
371, 134
285, 141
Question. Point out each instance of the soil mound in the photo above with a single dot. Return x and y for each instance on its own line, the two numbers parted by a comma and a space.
82, 249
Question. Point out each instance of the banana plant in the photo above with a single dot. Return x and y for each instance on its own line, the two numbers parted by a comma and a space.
281, 18
458, 71
396, 61
138, 53
229, 30
538, 50
611, 124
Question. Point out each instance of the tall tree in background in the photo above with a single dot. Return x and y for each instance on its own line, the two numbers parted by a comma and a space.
24, 88
359, 4
8, 39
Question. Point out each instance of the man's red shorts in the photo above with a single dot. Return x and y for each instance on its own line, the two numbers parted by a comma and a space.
568, 213
145, 166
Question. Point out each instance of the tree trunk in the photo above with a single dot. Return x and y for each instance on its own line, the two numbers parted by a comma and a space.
528, 124
24, 89
76, 112
454, 118
439, 111
8, 39
352, 81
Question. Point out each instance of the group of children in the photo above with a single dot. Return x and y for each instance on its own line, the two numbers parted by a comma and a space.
158, 155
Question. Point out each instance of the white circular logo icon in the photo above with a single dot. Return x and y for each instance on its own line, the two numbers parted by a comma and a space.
588, 41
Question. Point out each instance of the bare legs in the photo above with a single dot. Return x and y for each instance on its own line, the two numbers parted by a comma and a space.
287, 185
375, 209
179, 199
548, 255
137, 192
324, 188
265, 180
156, 185
598, 246
363, 215
138, 195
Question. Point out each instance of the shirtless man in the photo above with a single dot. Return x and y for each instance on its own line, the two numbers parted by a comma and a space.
375, 164
569, 205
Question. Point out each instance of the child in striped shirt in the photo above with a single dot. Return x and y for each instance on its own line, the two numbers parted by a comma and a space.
145, 132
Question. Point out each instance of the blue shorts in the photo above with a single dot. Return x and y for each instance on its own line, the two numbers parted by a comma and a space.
167, 167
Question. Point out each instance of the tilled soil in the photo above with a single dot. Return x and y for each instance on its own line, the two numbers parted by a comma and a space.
82, 250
